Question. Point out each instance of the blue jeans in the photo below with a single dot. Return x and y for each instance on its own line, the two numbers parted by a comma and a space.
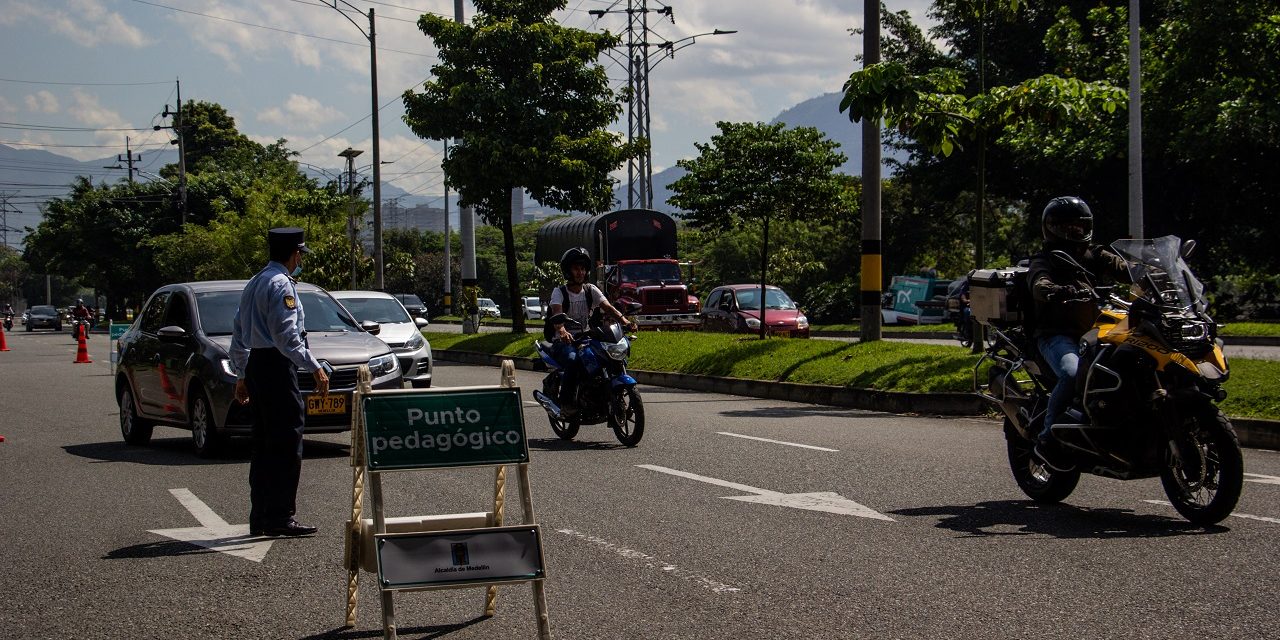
567, 357
1063, 355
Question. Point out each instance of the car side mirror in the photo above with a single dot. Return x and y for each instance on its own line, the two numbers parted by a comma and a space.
420, 322
371, 327
1188, 246
173, 333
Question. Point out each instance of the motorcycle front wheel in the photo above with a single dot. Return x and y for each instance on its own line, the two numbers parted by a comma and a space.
1040, 483
626, 416
1205, 484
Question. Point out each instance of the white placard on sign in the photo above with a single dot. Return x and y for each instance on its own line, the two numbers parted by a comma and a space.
443, 558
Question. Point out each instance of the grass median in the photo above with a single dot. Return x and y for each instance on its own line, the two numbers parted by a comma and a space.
1253, 391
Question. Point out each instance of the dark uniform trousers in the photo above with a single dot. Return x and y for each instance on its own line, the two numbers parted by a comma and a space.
278, 416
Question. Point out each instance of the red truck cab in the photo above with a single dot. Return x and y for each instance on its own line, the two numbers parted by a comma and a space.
658, 286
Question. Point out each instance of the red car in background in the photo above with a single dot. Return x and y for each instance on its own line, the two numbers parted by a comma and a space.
736, 308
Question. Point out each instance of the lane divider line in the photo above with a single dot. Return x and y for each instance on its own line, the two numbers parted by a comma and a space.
1234, 515
1261, 479
652, 562
789, 444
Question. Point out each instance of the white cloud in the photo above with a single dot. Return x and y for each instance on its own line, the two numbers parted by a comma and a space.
88, 23
6, 106
300, 112
42, 102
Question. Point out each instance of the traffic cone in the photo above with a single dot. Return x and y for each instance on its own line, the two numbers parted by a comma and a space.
4, 346
82, 352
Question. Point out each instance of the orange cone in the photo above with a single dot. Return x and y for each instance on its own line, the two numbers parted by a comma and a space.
4, 346
82, 352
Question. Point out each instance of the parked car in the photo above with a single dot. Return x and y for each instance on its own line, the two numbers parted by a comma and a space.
736, 308
396, 328
532, 308
43, 316
413, 304
173, 369
489, 308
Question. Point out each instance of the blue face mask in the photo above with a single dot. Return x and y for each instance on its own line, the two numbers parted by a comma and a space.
297, 270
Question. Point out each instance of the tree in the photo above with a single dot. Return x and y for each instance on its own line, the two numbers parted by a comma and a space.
757, 171
527, 105
12, 272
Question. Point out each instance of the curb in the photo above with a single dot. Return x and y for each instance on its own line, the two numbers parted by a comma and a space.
1235, 341
1259, 434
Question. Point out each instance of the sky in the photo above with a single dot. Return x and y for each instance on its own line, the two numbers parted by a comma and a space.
84, 74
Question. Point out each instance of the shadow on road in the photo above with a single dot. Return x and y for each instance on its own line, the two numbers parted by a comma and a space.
164, 549
801, 412
433, 631
556, 444
1024, 517
178, 452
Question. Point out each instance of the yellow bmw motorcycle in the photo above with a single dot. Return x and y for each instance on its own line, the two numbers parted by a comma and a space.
1151, 372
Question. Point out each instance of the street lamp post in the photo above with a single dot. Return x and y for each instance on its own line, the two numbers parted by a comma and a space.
371, 36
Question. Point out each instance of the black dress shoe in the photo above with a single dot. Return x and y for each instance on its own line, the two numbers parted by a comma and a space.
292, 529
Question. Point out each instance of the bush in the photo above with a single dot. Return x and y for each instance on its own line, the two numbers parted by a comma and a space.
1249, 296
832, 302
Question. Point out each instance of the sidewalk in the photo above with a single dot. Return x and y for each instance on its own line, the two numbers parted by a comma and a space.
1261, 434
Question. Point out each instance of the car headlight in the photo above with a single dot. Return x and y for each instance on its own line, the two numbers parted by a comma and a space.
802, 322
227, 368
618, 351
415, 342
753, 323
383, 366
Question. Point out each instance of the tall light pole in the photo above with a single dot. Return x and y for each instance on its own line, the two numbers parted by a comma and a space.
371, 36
350, 154
467, 231
1135, 124
869, 329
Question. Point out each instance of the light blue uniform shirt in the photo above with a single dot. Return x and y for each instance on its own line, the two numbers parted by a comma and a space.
270, 315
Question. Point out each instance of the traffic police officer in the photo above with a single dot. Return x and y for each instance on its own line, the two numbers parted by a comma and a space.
268, 346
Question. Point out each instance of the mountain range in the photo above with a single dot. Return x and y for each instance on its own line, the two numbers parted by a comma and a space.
28, 177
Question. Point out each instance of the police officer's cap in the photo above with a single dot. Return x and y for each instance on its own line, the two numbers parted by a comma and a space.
283, 239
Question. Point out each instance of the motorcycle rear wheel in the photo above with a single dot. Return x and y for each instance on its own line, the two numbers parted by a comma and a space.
1040, 483
564, 429
1206, 484
626, 416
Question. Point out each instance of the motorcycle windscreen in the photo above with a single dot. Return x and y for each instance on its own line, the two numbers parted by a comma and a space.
1159, 272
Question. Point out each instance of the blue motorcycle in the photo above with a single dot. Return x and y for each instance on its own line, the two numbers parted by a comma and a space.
606, 392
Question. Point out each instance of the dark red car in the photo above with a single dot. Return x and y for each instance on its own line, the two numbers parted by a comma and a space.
736, 308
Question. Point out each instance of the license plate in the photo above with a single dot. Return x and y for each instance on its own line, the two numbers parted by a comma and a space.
782, 334
331, 404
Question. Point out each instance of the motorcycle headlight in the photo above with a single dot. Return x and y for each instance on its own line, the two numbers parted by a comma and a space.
753, 323
383, 366
802, 322
1194, 331
618, 350
415, 342
227, 368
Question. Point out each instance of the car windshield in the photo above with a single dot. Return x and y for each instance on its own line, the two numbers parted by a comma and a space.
485, 302
749, 299
532, 302
378, 310
217, 310
409, 300
662, 272
42, 310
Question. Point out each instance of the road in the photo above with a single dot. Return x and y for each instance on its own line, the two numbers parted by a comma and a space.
929, 536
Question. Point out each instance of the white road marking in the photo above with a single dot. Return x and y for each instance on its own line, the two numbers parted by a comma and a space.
1261, 479
214, 532
653, 562
1234, 515
789, 444
825, 501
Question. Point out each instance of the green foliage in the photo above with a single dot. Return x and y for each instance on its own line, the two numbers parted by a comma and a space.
527, 105
1247, 295
13, 270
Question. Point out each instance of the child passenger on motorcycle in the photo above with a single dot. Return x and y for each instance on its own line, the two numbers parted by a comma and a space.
1065, 305
577, 299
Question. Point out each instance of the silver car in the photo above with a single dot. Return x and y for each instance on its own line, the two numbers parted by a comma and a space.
394, 325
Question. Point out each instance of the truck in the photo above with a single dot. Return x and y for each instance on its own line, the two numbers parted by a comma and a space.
636, 261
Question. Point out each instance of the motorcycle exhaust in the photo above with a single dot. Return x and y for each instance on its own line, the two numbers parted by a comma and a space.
547, 403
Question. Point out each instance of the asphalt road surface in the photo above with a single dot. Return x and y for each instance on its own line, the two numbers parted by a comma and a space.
928, 536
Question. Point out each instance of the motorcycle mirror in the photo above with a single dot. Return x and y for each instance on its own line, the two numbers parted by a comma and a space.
1188, 246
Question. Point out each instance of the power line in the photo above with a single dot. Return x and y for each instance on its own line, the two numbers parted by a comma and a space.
346, 11
84, 84
74, 146
48, 127
278, 30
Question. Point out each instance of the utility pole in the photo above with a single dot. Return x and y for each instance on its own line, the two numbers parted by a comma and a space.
178, 127
4, 216
128, 158
869, 330
350, 154
467, 227
448, 237
1135, 124
378, 283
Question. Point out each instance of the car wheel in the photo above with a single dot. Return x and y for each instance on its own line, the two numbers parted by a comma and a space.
205, 436
134, 429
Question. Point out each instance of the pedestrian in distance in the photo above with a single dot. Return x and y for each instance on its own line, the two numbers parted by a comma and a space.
268, 346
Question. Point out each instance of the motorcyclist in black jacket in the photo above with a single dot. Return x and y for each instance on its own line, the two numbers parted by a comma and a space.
1065, 308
